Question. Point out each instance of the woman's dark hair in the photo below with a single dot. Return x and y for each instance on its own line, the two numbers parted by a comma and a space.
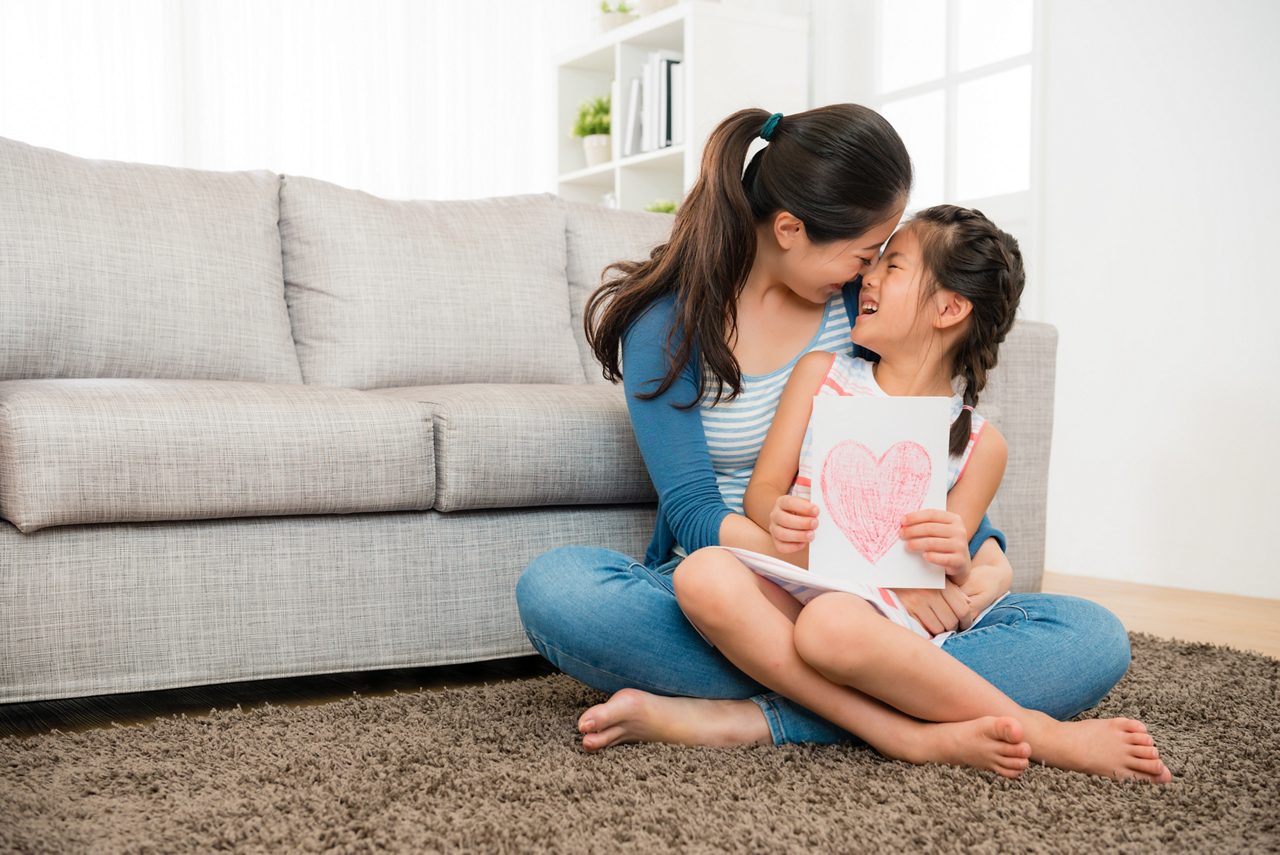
966, 253
840, 170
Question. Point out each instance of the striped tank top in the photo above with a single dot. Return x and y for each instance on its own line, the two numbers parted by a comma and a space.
854, 376
736, 429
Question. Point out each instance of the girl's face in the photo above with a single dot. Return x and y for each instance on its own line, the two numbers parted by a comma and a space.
816, 271
890, 309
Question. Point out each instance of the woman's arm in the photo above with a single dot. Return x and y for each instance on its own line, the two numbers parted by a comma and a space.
671, 439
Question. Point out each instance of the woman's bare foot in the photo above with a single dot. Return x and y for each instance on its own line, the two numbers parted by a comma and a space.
635, 716
1112, 747
991, 743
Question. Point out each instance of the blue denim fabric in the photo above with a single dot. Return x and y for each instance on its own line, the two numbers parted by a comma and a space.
612, 623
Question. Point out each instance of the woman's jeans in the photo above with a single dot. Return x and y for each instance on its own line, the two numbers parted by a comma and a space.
613, 623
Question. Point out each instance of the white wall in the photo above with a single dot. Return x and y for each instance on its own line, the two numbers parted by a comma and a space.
1161, 214
1159, 208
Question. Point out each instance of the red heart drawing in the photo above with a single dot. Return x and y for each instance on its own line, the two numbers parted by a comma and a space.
867, 498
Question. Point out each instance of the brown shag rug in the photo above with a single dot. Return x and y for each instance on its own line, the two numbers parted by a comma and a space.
498, 768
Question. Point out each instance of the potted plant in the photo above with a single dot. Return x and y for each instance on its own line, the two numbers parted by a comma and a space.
592, 125
615, 15
661, 206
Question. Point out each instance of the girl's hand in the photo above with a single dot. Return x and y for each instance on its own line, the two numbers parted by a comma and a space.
938, 610
792, 522
940, 537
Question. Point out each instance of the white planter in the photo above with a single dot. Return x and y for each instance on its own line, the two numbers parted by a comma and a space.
648, 7
598, 148
609, 20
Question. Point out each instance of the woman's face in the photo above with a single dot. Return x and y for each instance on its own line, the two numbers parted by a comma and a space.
816, 271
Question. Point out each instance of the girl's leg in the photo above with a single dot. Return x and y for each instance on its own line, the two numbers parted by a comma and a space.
751, 621
848, 642
1048, 652
614, 624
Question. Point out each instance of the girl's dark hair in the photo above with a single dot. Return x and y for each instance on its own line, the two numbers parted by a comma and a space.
839, 169
965, 252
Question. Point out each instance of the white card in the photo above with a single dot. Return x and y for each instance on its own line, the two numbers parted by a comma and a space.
874, 461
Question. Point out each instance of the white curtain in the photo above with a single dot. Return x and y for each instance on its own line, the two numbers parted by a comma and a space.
402, 98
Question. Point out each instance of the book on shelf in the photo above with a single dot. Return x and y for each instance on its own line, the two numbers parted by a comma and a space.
677, 104
657, 99
631, 138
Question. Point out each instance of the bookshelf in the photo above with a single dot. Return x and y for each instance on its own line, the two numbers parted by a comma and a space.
730, 58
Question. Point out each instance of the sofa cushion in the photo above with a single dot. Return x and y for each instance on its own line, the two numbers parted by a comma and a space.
504, 446
126, 270
387, 293
94, 451
595, 238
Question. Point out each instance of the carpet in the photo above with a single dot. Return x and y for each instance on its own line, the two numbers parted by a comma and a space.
497, 768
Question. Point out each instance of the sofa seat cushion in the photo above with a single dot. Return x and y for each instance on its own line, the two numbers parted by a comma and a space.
129, 270
404, 293
97, 451
508, 446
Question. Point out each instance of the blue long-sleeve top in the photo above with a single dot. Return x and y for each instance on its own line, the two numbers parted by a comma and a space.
672, 441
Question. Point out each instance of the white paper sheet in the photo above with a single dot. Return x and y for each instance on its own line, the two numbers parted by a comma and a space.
874, 461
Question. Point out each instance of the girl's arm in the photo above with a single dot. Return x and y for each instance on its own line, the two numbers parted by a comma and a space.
978, 482
779, 459
948, 538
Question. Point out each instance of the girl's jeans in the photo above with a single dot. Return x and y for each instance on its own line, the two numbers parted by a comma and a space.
613, 623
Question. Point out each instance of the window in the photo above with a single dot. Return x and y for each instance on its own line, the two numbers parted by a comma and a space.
957, 78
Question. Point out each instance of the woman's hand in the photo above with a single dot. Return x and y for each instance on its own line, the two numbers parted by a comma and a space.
938, 609
940, 538
792, 522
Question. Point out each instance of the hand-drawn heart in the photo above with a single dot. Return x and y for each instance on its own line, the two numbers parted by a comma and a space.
867, 498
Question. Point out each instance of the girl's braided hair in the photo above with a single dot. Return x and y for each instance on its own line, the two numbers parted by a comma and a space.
965, 252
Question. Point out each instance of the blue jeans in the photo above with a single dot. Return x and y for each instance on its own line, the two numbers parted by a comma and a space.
611, 622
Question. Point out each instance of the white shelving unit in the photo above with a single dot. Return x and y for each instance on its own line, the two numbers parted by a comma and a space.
732, 58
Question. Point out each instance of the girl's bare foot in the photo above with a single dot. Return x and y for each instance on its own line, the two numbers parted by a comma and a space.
991, 743
635, 716
1112, 747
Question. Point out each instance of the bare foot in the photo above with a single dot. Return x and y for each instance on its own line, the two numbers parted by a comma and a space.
1112, 747
635, 716
990, 743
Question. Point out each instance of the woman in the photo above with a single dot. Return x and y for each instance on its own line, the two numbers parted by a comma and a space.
708, 329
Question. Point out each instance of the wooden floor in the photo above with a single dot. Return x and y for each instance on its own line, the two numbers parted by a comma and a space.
1241, 622
1246, 623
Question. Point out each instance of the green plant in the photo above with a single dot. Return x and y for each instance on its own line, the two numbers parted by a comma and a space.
593, 117
621, 8
661, 206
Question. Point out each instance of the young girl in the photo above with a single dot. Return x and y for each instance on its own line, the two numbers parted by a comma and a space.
935, 307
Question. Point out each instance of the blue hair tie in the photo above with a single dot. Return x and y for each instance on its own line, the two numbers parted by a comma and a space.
770, 125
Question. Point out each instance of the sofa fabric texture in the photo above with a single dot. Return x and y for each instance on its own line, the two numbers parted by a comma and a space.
131, 607
126, 270
97, 451
595, 238
1018, 399
386, 293
516, 446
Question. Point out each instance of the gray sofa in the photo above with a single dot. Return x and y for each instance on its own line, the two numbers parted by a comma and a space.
256, 426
